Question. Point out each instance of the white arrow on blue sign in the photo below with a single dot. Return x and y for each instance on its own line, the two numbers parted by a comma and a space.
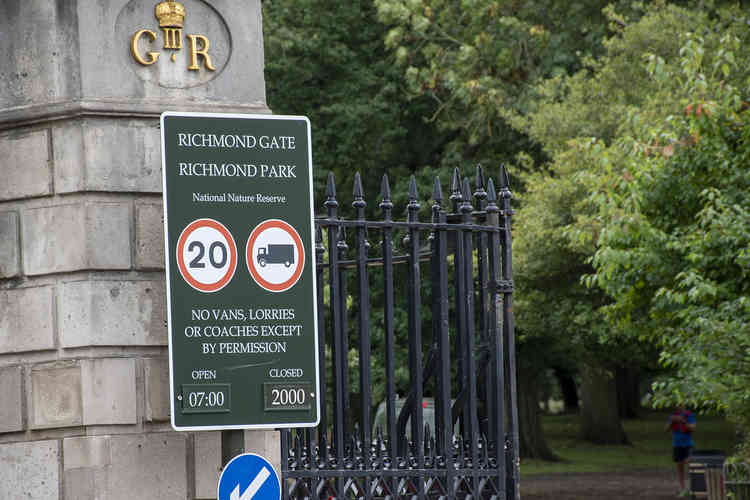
249, 477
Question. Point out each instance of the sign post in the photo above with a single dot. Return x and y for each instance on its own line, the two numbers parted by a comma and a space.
238, 226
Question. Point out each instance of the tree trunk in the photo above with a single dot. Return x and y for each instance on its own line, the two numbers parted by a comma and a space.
600, 420
532, 442
628, 391
568, 390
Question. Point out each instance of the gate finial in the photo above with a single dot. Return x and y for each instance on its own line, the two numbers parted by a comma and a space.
437, 192
466, 205
505, 193
491, 197
504, 182
413, 195
479, 178
331, 204
456, 196
480, 194
456, 186
331, 187
385, 188
359, 200
385, 192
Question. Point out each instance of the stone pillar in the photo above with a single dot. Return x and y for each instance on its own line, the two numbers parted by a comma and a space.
84, 390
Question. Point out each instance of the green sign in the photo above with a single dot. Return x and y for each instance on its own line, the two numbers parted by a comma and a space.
238, 224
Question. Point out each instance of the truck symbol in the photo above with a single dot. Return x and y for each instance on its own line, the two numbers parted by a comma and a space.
276, 254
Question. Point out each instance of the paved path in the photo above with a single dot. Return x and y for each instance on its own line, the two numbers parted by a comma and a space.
644, 485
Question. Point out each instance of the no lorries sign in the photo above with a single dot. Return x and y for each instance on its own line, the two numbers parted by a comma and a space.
238, 226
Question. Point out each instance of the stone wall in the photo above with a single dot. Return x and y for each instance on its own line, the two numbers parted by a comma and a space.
84, 387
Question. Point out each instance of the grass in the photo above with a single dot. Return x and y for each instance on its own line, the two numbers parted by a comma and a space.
652, 447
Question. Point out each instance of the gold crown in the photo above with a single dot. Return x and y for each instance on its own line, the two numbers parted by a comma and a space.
170, 14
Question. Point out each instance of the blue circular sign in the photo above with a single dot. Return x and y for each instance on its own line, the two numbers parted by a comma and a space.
249, 477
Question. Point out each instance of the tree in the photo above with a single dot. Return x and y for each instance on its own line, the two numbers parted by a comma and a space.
577, 119
480, 61
675, 239
326, 59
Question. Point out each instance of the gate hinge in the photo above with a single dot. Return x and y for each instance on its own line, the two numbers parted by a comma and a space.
505, 286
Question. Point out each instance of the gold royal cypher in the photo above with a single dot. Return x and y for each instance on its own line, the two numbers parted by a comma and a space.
171, 16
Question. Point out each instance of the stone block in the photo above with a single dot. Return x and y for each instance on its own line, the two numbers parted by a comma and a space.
97, 154
85, 484
30, 470
11, 393
207, 447
108, 388
112, 313
55, 396
149, 236
25, 165
44, 230
95, 236
266, 444
87, 461
148, 466
26, 320
9, 245
108, 225
39, 49
68, 154
156, 373
86, 452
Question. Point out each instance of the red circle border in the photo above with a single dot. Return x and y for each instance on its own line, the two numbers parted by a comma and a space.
213, 287
266, 224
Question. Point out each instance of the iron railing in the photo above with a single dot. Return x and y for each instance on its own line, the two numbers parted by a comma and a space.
461, 261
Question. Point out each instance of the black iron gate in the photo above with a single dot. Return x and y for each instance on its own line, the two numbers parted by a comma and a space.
461, 353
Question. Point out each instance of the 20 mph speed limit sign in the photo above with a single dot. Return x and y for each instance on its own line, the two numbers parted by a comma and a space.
238, 225
206, 255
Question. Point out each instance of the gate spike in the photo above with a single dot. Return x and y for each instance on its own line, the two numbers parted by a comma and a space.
437, 192
437, 196
480, 194
413, 189
456, 196
504, 181
331, 187
385, 188
491, 193
456, 185
467, 195
385, 192
479, 179
331, 202
491, 197
358, 191
413, 205
318, 238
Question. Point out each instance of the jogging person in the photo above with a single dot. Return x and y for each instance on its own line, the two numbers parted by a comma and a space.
682, 425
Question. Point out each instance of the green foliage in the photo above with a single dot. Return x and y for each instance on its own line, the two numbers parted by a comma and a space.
480, 60
593, 102
575, 119
326, 59
675, 218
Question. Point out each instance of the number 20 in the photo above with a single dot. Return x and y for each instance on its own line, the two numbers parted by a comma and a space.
196, 262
